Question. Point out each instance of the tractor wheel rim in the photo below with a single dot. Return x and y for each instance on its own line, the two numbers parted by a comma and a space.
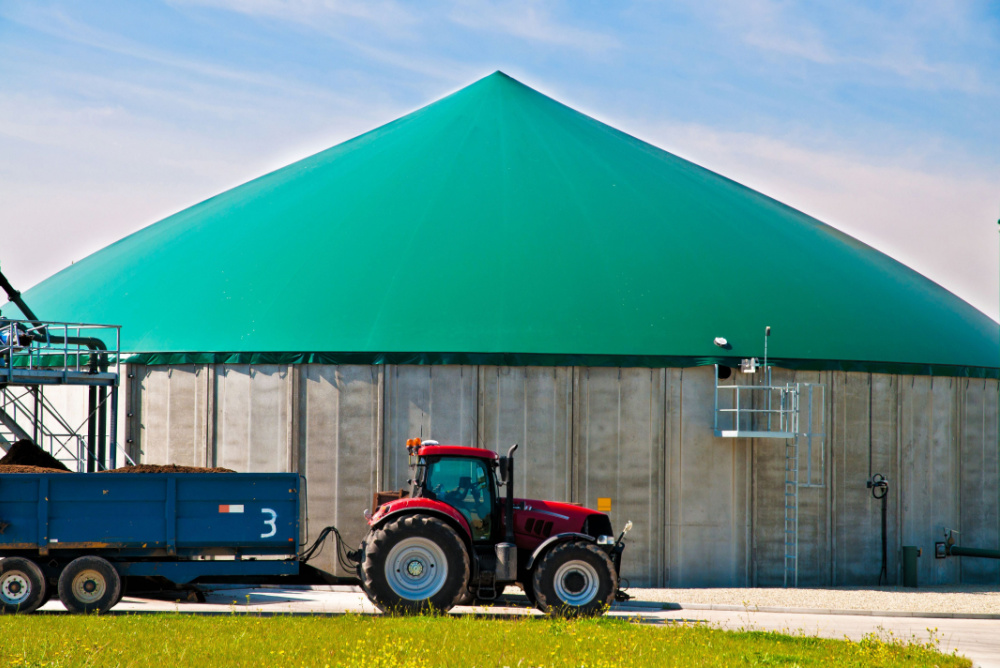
576, 582
416, 568
14, 588
88, 586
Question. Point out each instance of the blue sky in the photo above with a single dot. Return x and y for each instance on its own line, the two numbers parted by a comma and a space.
878, 118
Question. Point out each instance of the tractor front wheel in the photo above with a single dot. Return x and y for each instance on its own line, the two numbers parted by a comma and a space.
415, 564
575, 579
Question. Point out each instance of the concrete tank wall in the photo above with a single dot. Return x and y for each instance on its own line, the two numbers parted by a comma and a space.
708, 511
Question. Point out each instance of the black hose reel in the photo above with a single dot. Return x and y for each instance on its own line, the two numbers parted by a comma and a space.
879, 486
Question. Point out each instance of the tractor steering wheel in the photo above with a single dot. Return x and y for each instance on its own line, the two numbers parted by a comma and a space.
455, 496
479, 489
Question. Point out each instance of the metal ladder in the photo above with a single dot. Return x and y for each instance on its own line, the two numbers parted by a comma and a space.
792, 511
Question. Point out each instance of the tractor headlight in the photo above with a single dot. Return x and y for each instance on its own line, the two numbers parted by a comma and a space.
605, 540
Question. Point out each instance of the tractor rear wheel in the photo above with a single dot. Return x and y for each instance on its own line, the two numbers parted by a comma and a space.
575, 579
415, 564
22, 586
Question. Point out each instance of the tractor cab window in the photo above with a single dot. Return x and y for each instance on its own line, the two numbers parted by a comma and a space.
463, 484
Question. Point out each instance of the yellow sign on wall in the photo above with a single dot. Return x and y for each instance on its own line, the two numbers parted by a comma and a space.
604, 504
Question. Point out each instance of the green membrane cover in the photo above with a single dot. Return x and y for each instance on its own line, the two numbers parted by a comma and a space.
500, 226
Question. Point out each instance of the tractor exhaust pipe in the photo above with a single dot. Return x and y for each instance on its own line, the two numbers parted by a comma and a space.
509, 506
506, 552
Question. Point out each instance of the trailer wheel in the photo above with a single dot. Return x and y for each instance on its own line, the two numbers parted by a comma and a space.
574, 579
22, 586
415, 564
89, 584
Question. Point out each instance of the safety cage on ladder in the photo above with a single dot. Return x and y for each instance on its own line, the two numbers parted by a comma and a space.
794, 412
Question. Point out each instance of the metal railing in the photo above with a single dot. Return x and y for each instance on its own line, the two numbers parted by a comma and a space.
44, 348
36, 354
757, 411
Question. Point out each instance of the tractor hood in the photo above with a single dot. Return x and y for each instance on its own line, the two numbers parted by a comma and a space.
535, 520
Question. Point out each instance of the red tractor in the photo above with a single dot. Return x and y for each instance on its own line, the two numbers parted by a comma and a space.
453, 539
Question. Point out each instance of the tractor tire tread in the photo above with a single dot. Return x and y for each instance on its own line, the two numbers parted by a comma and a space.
544, 595
376, 549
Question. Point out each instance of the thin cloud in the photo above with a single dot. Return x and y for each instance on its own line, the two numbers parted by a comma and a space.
529, 21
58, 24
328, 15
905, 42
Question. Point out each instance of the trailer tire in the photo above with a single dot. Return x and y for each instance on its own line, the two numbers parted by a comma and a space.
574, 579
89, 584
415, 564
22, 586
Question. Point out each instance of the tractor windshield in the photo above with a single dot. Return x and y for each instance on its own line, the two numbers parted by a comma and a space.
464, 484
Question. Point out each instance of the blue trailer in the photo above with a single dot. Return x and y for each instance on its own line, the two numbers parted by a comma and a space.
82, 534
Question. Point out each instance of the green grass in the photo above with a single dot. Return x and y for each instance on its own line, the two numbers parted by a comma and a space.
165, 641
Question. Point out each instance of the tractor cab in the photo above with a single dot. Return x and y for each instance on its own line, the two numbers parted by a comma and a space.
464, 478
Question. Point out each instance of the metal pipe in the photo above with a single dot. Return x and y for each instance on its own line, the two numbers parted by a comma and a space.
509, 506
91, 342
102, 429
959, 551
91, 427
15, 297
113, 450
879, 486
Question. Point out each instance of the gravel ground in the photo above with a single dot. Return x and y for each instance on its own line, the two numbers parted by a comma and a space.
955, 599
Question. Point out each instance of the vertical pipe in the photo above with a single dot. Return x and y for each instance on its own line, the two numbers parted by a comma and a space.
809, 439
34, 422
715, 410
91, 427
113, 450
102, 428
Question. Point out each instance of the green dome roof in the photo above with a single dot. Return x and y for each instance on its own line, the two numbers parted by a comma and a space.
498, 224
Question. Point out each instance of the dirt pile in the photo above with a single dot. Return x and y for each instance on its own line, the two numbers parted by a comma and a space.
170, 468
26, 457
22, 468
25, 453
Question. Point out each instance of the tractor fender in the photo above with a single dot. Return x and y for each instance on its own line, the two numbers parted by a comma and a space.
555, 540
428, 507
